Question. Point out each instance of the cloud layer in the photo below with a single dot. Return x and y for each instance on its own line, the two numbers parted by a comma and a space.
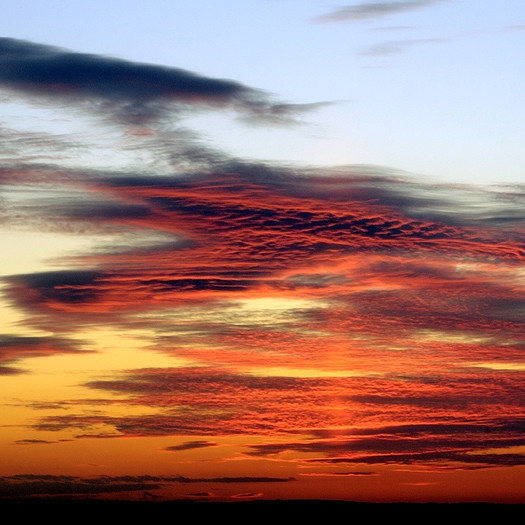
348, 316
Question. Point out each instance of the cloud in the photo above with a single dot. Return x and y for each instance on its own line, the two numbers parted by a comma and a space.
132, 93
201, 495
439, 445
14, 348
257, 229
9, 370
320, 306
190, 445
33, 442
27, 485
375, 10
20, 486
452, 419
248, 495
18, 146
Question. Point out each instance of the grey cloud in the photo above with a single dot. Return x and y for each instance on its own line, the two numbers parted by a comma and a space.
9, 370
10, 488
14, 348
434, 459
33, 442
133, 93
25, 146
25, 485
436, 442
374, 10
190, 445
66, 286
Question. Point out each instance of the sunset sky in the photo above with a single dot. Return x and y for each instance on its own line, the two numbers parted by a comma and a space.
265, 249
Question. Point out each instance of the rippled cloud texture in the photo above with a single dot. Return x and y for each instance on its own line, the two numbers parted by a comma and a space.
328, 318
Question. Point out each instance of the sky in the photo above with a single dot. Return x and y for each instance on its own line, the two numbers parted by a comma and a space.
262, 250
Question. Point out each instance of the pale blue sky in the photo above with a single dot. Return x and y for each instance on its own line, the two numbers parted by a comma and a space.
433, 88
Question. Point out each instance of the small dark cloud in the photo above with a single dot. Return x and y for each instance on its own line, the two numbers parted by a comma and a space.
15, 347
44, 290
190, 445
44, 405
27, 344
248, 495
200, 495
9, 371
33, 442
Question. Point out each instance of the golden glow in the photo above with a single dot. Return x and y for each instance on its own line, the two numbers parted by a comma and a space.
441, 336
306, 372
518, 367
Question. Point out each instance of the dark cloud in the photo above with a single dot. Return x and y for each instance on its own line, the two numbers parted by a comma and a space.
134, 93
437, 460
248, 495
441, 444
62, 286
14, 348
200, 495
33, 442
14, 488
9, 370
190, 445
24, 485
375, 10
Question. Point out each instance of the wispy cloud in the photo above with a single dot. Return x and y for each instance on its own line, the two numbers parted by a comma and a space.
191, 445
14, 348
452, 419
438, 445
375, 10
24, 485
